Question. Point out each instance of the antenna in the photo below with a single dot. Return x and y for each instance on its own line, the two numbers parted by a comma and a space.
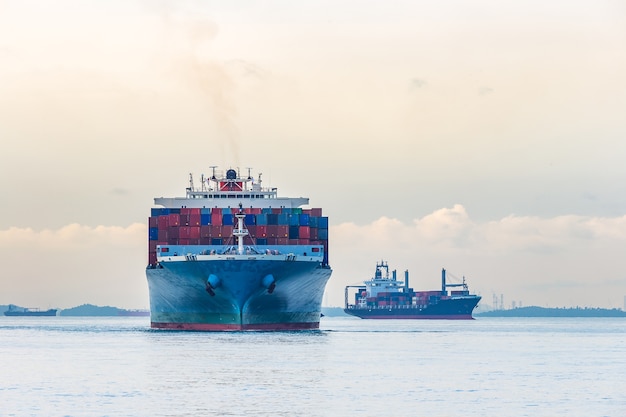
213, 169
190, 182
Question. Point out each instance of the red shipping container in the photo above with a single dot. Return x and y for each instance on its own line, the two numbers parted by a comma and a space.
216, 210
304, 232
153, 222
313, 233
251, 230
194, 232
282, 241
304, 242
183, 232
163, 234
184, 242
194, 219
216, 219
293, 242
272, 230
164, 222
261, 230
272, 240
227, 231
152, 258
205, 231
316, 212
277, 210
282, 231
172, 232
184, 219
205, 241
185, 210
193, 241
174, 219
152, 244
194, 211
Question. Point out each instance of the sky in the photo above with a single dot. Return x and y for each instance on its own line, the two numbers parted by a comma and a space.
484, 137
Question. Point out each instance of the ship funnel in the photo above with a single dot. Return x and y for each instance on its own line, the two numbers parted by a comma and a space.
443, 281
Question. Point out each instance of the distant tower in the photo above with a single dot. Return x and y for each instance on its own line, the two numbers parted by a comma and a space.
501, 301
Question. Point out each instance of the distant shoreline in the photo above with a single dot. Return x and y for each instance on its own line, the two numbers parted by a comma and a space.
554, 312
90, 310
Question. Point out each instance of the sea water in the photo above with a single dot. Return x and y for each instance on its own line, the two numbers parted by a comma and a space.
67, 366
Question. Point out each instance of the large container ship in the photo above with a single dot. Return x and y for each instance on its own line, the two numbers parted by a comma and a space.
233, 255
386, 297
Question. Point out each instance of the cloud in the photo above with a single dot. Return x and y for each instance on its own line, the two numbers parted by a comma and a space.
74, 265
559, 261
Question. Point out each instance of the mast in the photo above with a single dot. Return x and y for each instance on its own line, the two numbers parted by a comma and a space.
240, 232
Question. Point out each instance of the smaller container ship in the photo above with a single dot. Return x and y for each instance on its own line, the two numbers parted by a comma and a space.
14, 310
385, 297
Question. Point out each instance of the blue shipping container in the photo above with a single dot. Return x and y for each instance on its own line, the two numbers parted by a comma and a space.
322, 223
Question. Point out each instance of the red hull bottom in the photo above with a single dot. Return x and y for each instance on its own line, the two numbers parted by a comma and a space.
211, 327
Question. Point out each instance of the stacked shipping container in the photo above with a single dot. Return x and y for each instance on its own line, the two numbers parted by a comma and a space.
410, 298
214, 226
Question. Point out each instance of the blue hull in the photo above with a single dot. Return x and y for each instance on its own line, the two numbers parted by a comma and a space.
179, 298
451, 309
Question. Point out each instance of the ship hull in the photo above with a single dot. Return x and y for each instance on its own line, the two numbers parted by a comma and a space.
450, 309
179, 299
47, 313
